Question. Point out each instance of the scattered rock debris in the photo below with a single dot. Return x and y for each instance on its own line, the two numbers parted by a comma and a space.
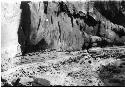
79, 68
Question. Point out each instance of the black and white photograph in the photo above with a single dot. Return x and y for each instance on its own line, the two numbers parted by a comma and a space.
62, 43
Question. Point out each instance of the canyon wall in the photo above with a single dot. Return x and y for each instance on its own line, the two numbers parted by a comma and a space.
62, 26
75, 25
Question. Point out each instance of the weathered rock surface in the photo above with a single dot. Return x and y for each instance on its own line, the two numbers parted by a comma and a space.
55, 26
63, 25
112, 10
68, 26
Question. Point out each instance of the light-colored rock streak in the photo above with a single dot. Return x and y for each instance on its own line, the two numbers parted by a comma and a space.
9, 28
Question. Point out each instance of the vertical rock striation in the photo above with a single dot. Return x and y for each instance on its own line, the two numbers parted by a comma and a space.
53, 22
67, 26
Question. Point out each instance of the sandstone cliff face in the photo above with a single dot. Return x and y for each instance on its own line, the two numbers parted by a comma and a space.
63, 25
113, 19
56, 27
69, 25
